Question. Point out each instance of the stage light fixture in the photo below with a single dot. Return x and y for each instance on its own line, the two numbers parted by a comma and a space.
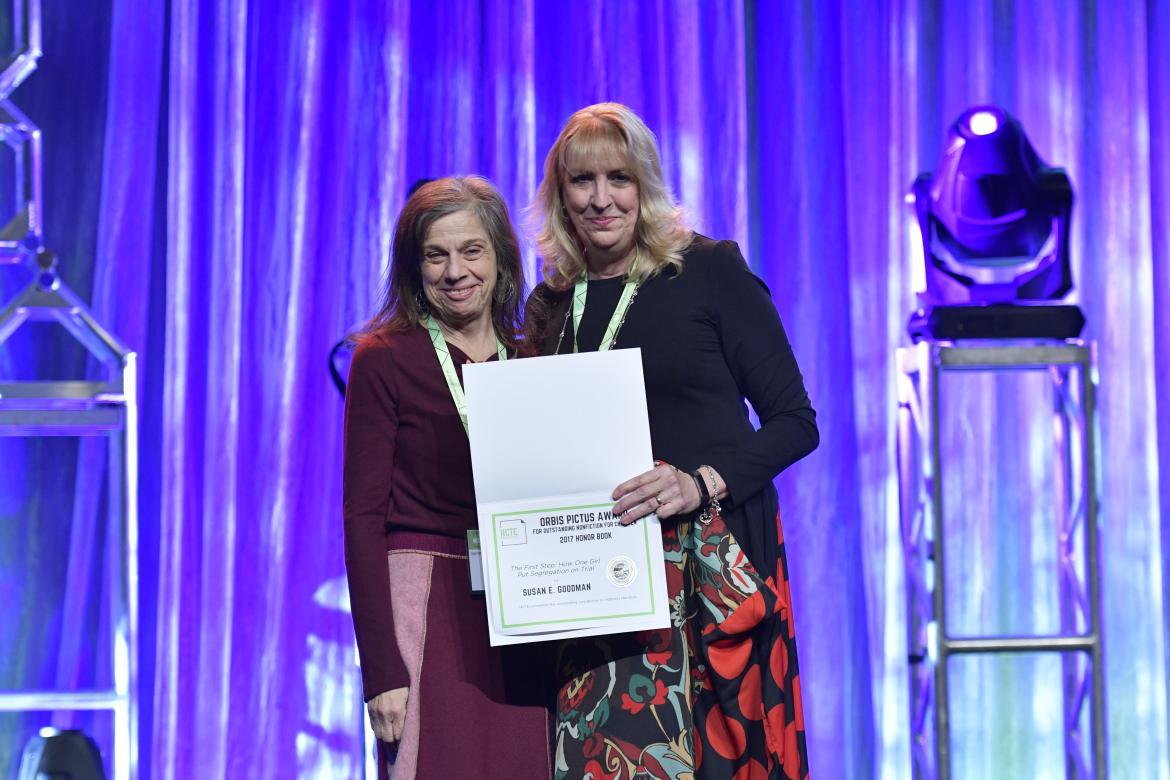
61, 755
994, 229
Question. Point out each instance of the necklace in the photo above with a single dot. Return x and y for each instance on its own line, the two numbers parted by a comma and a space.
616, 320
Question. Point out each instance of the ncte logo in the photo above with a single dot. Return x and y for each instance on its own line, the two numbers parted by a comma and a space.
513, 532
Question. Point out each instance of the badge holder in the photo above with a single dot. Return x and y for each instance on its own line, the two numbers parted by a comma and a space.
474, 563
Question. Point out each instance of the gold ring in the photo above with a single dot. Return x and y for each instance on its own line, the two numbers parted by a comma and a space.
658, 500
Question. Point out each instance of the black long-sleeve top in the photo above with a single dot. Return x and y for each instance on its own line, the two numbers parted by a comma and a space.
710, 338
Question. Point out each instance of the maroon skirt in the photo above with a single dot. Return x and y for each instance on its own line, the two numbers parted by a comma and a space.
467, 715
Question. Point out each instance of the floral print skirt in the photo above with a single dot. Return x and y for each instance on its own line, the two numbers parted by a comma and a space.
716, 695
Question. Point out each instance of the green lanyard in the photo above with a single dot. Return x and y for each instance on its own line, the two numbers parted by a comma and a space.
581, 291
448, 366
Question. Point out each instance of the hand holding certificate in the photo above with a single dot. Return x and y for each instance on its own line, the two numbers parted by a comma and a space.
550, 438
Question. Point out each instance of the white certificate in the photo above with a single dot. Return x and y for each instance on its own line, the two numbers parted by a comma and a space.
550, 439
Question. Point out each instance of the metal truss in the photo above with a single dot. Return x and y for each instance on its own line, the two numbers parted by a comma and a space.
20, 139
1072, 367
106, 407
83, 407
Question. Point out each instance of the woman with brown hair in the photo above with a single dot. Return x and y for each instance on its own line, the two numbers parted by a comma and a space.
434, 687
717, 695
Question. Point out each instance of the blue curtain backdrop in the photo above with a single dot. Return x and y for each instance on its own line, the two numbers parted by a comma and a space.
222, 178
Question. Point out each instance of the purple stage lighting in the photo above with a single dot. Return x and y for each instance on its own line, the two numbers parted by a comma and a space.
994, 225
995, 218
983, 121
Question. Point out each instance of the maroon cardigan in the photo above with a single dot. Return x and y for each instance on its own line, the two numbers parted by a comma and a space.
408, 467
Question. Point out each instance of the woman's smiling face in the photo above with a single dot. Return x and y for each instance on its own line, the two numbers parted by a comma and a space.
458, 269
601, 198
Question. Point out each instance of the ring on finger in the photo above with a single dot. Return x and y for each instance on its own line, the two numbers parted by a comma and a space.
658, 501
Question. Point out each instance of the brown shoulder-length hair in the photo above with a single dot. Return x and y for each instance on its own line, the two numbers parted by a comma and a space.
403, 302
597, 131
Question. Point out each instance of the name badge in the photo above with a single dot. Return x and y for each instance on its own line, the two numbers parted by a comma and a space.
474, 563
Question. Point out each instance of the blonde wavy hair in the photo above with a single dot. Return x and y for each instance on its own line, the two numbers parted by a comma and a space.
596, 132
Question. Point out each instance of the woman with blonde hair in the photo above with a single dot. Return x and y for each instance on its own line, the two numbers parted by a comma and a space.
718, 694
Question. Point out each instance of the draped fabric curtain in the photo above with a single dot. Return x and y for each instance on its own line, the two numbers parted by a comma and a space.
243, 175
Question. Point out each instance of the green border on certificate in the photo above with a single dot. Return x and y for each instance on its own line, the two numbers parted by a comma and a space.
592, 618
